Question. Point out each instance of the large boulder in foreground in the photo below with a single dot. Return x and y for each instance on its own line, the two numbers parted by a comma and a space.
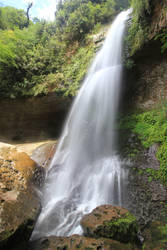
79, 242
110, 222
19, 205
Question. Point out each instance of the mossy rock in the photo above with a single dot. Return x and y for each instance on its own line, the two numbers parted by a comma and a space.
111, 222
155, 236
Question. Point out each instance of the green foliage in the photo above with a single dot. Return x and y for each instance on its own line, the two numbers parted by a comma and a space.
46, 57
129, 63
123, 229
137, 33
121, 4
76, 18
163, 38
27, 56
152, 174
139, 28
76, 69
151, 127
163, 232
140, 7
11, 18
36, 64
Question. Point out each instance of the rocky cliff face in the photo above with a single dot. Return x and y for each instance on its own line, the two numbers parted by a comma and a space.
32, 118
158, 18
146, 81
145, 87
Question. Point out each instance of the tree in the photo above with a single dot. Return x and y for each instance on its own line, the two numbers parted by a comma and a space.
27, 13
11, 18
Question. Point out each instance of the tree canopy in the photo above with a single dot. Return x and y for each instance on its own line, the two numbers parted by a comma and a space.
11, 18
48, 56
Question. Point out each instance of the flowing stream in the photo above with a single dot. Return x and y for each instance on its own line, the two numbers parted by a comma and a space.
85, 171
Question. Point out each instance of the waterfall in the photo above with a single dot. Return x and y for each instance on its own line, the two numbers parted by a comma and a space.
85, 171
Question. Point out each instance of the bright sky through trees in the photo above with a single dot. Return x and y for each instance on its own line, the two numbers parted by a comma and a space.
43, 9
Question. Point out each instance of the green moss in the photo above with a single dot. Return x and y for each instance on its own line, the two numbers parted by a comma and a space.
123, 229
151, 127
137, 32
6, 234
163, 233
157, 235
140, 171
133, 152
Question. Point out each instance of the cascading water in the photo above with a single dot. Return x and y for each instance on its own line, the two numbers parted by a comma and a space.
85, 171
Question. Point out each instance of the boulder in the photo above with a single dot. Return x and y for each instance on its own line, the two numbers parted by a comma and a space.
110, 222
19, 205
79, 242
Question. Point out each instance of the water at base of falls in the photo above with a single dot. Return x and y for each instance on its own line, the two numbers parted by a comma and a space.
62, 212
85, 171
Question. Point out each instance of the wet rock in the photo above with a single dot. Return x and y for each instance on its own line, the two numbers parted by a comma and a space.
152, 156
19, 205
150, 77
99, 38
146, 195
43, 154
110, 222
79, 242
155, 236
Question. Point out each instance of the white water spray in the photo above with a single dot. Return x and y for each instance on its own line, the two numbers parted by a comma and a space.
85, 172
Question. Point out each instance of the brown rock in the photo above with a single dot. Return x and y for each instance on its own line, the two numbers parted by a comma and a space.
32, 119
19, 205
43, 154
110, 222
79, 242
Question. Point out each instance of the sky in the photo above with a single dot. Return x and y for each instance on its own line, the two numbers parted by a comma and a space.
43, 9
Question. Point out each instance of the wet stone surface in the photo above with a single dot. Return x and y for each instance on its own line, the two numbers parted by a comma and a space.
146, 197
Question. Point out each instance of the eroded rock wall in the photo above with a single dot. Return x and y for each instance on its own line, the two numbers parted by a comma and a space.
158, 17
146, 82
33, 118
